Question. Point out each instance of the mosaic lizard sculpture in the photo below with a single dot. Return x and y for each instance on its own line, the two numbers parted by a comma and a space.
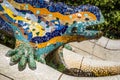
47, 29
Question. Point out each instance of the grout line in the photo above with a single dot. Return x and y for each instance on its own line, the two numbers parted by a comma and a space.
60, 76
80, 65
105, 46
87, 52
93, 48
6, 76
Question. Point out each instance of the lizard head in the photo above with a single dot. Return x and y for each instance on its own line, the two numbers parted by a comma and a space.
88, 16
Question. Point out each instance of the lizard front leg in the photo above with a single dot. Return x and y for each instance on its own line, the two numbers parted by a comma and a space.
23, 54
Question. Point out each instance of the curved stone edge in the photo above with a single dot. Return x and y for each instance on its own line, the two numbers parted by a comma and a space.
43, 72
73, 60
98, 67
66, 77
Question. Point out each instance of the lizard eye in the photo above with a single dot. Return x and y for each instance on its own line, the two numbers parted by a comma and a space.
87, 19
74, 30
74, 22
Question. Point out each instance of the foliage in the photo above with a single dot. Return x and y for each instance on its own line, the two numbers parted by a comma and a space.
51, 61
111, 12
7, 39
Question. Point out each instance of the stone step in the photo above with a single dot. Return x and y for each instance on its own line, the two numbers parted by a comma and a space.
98, 49
43, 72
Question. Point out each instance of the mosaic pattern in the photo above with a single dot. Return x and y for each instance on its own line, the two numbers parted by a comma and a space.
40, 29
61, 7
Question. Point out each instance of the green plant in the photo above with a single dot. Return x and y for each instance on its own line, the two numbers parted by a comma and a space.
7, 39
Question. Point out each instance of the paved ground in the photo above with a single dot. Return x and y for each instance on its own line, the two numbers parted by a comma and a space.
103, 49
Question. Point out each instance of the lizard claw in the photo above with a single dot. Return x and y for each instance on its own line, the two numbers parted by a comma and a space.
22, 55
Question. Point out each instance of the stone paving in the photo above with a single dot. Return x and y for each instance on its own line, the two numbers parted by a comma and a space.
99, 49
102, 49
4, 77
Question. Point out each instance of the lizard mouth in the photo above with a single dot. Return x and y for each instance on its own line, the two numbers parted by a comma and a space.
95, 36
97, 32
